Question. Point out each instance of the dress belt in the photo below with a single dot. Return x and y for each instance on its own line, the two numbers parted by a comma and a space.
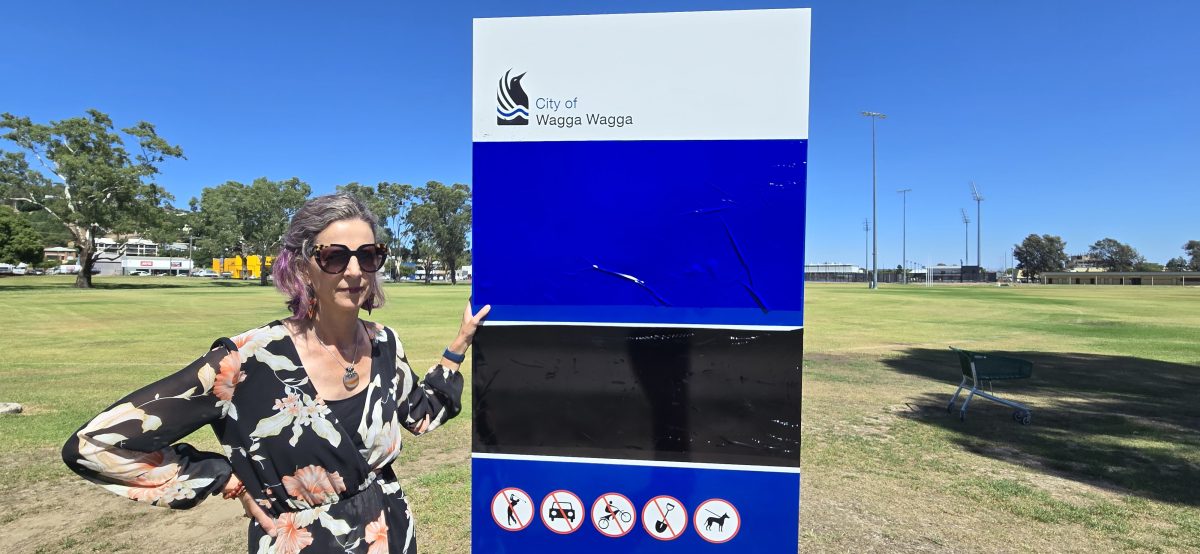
372, 479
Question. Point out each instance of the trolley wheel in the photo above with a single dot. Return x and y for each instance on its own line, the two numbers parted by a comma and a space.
1016, 415
1026, 418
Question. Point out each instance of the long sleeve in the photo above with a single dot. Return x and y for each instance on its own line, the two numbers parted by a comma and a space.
439, 396
128, 448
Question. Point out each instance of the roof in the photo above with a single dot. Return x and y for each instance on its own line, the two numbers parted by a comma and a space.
1089, 274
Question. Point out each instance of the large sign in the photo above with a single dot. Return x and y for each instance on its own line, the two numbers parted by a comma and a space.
639, 232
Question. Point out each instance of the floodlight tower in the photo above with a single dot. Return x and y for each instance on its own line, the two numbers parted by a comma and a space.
966, 237
904, 234
978, 220
874, 221
866, 243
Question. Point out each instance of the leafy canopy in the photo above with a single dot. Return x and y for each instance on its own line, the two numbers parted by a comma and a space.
1039, 254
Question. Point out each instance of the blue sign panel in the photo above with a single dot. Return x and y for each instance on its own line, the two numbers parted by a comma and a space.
702, 510
641, 232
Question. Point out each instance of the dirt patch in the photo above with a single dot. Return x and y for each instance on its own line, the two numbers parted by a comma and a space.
71, 515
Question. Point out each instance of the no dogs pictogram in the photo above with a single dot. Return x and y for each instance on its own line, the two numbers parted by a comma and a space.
664, 517
562, 512
612, 514
512, 509
717, 521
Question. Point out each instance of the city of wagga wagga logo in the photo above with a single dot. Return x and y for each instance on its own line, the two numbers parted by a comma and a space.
512, 104
512, 108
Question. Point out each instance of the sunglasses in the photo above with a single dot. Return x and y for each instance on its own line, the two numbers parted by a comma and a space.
333, 258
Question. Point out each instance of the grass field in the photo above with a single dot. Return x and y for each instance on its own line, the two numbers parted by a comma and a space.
1111, 462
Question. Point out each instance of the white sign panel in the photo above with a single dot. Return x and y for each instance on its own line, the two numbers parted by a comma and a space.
680, 76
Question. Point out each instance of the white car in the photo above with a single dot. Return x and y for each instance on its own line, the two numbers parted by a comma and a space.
140, 273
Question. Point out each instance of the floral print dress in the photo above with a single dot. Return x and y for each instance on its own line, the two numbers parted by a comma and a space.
298, 462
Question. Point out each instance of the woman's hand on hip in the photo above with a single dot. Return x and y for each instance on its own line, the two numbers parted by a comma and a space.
253, 510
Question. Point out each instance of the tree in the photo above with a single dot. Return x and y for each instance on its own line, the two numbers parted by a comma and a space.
248, 220
86, 180
1192, 249
1114, 255
52, 232
1039, 254
1148, 266
441, 218
390, 203
1177, 264
19, 241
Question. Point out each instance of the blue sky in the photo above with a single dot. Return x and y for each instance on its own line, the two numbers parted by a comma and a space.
1074, 118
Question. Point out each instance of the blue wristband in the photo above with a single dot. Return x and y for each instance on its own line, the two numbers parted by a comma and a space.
456, 358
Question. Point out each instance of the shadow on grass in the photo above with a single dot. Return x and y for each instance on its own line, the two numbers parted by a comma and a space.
1123, 423
227, 283
126, 284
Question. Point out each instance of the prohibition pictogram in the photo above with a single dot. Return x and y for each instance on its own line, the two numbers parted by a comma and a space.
612, 514
512, 509
561, 512
717, 521
664, 517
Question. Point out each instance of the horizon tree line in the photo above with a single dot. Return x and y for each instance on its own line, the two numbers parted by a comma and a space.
75, 181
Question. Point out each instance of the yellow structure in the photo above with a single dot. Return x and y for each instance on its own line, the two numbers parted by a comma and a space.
233, 266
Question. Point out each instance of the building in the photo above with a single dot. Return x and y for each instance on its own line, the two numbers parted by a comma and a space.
141, 256
942, 273
834, 273
1177, 278
1083, 263
60, 254
233, 266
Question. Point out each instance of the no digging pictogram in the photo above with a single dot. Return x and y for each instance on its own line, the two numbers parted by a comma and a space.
717, 521
612, 514
512, 509
562, 512
664, 517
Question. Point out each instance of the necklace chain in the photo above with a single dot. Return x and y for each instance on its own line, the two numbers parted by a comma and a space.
350, 379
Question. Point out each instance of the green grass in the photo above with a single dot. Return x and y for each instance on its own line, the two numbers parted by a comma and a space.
1111, 462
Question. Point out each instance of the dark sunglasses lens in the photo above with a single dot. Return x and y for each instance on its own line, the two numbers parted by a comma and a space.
334, 259
371, 258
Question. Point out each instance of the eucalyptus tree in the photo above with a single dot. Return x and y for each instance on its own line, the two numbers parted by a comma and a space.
80, 173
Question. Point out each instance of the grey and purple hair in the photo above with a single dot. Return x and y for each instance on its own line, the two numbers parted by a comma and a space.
291, 264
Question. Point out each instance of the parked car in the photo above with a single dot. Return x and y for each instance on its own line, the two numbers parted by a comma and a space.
140, 273
205, 273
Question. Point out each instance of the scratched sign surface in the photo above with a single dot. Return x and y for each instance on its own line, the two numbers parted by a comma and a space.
639, 192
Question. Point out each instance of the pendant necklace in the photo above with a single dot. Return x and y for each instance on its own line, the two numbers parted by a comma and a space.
350, 379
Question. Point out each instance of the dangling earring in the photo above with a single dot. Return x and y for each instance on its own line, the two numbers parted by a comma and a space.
312, 302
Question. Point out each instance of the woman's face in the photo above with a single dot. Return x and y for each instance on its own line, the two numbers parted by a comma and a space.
350, 288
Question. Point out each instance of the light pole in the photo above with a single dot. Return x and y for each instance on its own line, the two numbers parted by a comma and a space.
978, 223
191, 250
904, 233
962, 266
866, 244
874, 220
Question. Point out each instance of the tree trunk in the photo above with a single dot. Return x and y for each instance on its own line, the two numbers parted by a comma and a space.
451, 266
263, 269
87, 260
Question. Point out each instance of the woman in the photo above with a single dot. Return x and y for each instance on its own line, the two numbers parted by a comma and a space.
308, 410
